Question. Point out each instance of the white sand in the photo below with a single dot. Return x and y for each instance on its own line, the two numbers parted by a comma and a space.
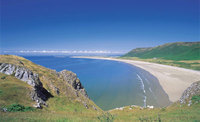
174, 80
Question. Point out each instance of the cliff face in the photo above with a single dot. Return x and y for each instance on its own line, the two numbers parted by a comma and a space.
72, 79
21, 73
39, 94
194, 89
46, 83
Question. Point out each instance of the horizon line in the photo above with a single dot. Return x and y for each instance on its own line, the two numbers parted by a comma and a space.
65, 52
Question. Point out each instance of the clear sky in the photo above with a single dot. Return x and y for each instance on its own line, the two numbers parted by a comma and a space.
115, 25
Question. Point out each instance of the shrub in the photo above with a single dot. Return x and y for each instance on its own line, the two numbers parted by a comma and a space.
106, 118
196, 98
3, 77
18, 107
163, 109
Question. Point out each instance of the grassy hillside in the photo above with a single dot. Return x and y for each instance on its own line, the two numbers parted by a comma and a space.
174, 113
65, 107
170, 51
188, 64
12, 90
15, 91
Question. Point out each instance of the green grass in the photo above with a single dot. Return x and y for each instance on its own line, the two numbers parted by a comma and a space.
18, 107
188, 64
171, 51
13, 91
67, 108
43, 116
196, 98
15, 96
48, 78
175, 113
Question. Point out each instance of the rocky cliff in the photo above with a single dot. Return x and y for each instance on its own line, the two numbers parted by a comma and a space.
46, 83
193, 90
39, 94
72, 79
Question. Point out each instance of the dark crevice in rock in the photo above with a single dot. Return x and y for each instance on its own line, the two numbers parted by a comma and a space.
72, 79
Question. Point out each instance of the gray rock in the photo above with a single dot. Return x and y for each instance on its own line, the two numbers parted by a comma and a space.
94, 108
72, 79
4, 109
194, 89
190, 103
7, 68
86, 106
38, 93
37, 105
27, 76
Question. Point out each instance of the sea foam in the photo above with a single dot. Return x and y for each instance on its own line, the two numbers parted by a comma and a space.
142, 85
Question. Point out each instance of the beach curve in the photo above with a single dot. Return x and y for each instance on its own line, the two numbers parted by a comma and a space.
174, 80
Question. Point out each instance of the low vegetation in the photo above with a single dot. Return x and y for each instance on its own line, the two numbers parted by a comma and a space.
170, 51
188, 64
196, 99
173, 113
15, 97
18, 108
180, 54
16, 104
14, 91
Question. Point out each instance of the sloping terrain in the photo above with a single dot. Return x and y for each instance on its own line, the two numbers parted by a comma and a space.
25, 83
169, 51
62, 97
187, 109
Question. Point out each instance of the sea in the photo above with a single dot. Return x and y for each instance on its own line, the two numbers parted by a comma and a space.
110, 84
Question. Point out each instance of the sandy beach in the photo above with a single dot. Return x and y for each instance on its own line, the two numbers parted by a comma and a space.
174, 80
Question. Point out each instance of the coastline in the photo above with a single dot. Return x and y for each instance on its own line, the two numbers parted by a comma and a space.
174, 80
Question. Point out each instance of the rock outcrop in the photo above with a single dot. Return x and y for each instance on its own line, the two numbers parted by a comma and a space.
72, 79
61, 83
39, 94
194, 89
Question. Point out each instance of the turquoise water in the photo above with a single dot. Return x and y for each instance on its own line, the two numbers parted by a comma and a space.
110, 84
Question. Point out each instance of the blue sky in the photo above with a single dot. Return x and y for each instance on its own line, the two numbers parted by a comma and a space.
115, 25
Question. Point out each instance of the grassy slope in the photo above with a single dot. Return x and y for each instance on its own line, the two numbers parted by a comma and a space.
14, 91
180, 54
170, 51
175, 113
64, 109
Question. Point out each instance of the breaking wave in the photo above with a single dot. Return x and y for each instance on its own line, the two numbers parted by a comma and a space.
142, 86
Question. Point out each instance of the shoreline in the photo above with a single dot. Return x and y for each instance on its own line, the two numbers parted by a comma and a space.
174, 80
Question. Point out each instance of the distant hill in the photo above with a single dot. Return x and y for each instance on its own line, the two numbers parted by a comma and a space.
169, 51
